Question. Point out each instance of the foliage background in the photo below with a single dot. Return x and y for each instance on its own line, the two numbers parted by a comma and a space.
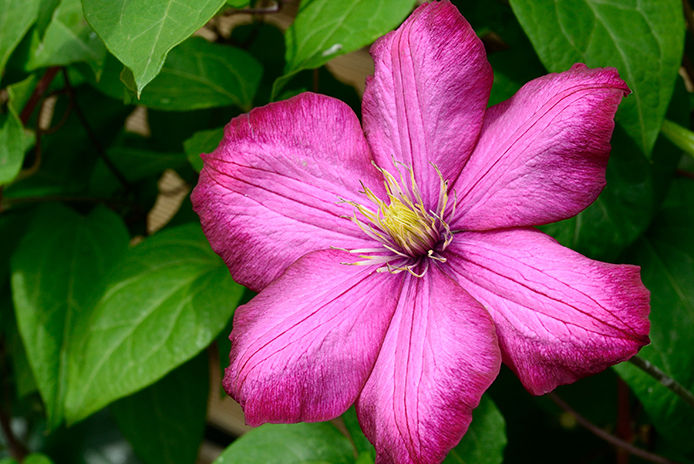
109, 333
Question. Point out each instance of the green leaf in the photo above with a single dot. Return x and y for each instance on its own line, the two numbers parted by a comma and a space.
238, 3
643, 40
163, 304
68, 155
12, 145
666, 256
485, 440
324, 29
202, 142
16, 18
137, 164
315, 443
13, 224
364, 458
21, 91
165, 422
14, 140
141, 33
678, 135
361, 443
68, 39
46, 9
37, 458
23, 377
197, 74
200, 74
56, 278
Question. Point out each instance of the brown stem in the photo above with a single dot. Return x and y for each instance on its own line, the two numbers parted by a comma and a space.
36, 97
38, 154
664, 379
92, 136
38, 92
597, 431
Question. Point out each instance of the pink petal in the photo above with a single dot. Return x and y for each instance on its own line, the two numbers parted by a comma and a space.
439, 355
302, 349
542, 154
559, 315
427, 97
271, 191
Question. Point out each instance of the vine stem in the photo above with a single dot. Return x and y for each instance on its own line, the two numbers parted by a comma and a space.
664, 379
38, 92
608, 437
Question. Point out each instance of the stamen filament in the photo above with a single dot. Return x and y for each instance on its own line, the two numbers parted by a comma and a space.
411, 233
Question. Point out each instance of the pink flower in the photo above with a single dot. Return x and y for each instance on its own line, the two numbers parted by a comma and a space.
434, 204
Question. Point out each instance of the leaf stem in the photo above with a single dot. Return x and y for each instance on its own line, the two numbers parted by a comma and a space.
608, 437
667, 381
681, 137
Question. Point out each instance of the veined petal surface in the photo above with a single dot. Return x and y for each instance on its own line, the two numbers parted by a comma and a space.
302, 349
542, 154
426, 100
439, 355
274, 188
559, 316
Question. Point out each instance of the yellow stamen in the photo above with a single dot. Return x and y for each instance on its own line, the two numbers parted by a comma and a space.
403, 225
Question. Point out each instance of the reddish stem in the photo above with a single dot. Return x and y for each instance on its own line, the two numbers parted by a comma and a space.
38, 92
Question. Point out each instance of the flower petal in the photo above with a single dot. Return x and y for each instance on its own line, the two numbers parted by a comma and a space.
426, 99
439, 355
271, 192
559, 315
302, 349
542, 154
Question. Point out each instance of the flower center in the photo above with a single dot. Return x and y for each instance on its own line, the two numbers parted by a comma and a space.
410, 235
411, 229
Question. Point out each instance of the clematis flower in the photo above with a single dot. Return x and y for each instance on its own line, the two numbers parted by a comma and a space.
398, 265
